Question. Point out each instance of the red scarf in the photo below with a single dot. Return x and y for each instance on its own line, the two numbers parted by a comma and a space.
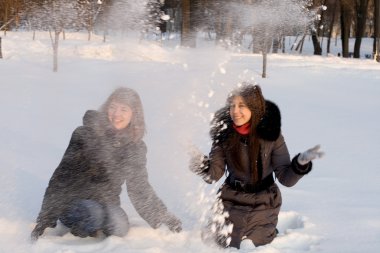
243, 129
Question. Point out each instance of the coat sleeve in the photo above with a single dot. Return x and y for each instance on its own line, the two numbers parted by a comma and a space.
215, 164
142, 195
58, 190
287, 171
210, 168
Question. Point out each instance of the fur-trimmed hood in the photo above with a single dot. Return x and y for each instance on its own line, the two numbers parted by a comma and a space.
269, 127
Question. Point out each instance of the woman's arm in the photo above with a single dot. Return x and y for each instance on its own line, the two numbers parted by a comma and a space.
287, 171
216, 163
142, 195
210, 168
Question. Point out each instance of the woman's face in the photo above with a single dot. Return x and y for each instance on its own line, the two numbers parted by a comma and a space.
119, 115
239, 112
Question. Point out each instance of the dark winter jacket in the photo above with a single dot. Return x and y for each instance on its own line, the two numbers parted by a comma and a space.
254, 214
274, 152
97, 162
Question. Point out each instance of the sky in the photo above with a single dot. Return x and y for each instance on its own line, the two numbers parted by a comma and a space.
324, 100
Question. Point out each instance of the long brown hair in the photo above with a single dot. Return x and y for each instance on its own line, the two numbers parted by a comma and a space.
127, 96
255, 102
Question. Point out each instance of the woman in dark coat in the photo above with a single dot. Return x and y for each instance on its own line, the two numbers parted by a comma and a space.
103, 154
249, 147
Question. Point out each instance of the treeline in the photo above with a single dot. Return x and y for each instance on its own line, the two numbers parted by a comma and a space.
62, 15
323, 19
228, 22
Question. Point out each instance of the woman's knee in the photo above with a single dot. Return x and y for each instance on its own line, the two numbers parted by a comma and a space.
84, 217
117, 222
262, 236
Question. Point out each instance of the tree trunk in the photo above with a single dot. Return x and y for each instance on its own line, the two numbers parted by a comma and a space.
276, 45
302, 43
256, 42
1, 53
218, 25
264, 74
345, 24
377, 30
331, 27
374, 45
293, 44
267, 43
187, 36
361, 14
55, 51
194, 20
227, 34
90, 28
320, 32
316, 44
5, 20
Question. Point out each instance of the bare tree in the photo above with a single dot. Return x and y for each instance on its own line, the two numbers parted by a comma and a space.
332, 22
267, 19
10, 11
377, 30
316, 30
102, 17
1, 52
361, 19
87, 12
346, 17
55, 16
316, 43
188, 33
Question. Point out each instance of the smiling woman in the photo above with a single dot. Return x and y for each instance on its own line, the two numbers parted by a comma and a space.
103, 154
249, 147
239, 112
123, 111
119, 115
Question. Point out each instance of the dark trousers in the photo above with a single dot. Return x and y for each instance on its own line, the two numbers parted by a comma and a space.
87, 217
253, 215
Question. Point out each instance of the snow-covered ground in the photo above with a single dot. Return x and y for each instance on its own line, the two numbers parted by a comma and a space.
324, 100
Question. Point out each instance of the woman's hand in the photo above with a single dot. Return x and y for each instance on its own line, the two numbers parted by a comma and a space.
173, 223
197, 160
37, 232
40, 228
309, 155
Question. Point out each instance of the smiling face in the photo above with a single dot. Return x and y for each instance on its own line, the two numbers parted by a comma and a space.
239, 111
119, 115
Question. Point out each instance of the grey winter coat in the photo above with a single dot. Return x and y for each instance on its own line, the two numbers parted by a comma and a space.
254, 215
97, 162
